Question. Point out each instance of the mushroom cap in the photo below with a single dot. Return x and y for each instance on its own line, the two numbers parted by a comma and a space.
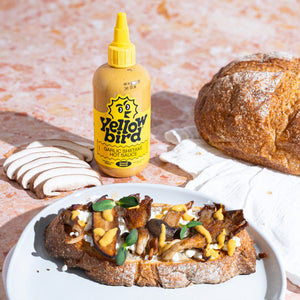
63, 183
83, 149
19, 162
44, 163
24, 152
47, 174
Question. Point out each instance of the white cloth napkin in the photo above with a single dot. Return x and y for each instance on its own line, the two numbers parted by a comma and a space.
270, 199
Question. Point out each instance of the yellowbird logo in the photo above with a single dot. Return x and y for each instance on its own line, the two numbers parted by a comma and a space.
122, 108
124, 123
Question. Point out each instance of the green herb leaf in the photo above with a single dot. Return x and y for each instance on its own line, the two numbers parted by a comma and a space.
188, 225
121, 256
193, 224
129, 241
131, 238
103, 205
182, 232
129, 201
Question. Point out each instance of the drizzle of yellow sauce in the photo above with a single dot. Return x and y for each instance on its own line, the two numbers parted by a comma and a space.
99, 231
219, 215
231, 245
108, 237
137, 206
179, 207
107, 215
162, 236
159, 216
221, 239
165, 209
82, 223
214, 254
167, 246
75, 213
201, 229
187, 217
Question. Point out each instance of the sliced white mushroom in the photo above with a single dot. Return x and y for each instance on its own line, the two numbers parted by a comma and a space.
28, 151
16, 164
72, 146
53, 186
61, 171
48, 160
31, 173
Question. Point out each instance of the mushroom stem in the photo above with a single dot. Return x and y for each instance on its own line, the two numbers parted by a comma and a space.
76, 228
196, 241
67, 218
143, 238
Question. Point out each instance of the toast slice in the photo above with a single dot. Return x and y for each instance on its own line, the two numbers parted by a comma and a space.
171, 251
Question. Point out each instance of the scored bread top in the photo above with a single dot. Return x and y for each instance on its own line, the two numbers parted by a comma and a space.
251, 110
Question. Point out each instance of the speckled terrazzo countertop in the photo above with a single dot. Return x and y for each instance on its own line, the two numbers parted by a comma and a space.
50, 49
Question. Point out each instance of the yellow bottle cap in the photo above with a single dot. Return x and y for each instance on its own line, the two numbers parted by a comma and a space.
121, 52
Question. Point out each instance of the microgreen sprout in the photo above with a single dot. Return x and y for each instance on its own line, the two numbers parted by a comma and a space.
188, 225
130, 240
124, 202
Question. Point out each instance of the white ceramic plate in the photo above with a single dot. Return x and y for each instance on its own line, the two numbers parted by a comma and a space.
33, 275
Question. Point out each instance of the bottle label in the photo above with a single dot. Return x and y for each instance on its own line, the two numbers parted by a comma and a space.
122, 134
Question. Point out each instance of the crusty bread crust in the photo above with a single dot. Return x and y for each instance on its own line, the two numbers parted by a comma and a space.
251, 110
169, 274
149, 273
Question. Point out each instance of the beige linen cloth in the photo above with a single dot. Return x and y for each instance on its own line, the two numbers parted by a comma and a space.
270, 199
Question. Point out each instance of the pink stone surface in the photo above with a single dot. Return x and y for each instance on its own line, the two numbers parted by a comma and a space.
50, 49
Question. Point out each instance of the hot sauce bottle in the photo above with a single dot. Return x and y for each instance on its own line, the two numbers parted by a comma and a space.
122, 108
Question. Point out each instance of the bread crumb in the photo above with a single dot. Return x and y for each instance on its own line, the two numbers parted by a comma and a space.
64, 268
262, 255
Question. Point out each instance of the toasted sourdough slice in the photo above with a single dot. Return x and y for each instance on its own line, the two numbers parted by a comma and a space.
163, 270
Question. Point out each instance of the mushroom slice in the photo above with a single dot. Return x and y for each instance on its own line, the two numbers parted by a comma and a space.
139, 216
197, 241
75, 227
99, 221
153, 247
233, 221
173, 217
154, 227
87, 206
25, 152
61, 171
142, 241
27, 172
16, 164
53, 186
72, 146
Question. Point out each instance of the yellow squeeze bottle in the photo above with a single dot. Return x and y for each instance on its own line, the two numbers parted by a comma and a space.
122, 108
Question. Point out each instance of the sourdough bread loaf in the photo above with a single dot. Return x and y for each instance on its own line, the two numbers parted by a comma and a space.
251, 110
